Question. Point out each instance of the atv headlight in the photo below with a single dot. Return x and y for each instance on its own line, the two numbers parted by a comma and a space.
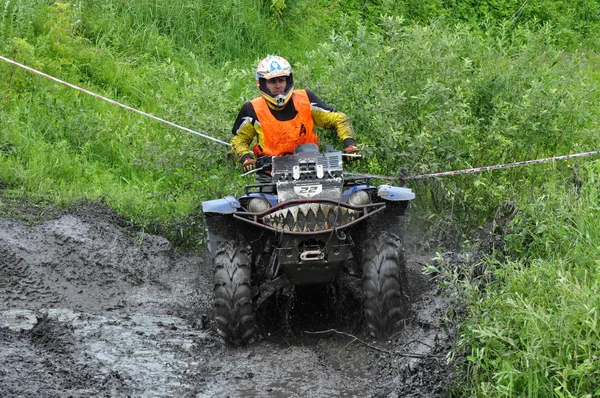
258, 205
359, 198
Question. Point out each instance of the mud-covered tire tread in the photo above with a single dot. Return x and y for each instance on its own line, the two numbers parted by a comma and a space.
384, 285
233, 296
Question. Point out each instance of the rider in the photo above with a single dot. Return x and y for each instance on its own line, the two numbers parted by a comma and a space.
282, 118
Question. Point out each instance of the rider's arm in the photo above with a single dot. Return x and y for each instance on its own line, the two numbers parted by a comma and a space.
244, 132
326, 117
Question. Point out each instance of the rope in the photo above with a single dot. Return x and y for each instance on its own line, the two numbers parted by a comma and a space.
479, 169
111, 101
501, 166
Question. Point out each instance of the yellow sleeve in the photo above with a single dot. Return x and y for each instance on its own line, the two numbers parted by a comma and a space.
332, 120
241, 141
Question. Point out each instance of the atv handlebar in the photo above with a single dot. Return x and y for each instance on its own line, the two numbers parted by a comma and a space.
265, 163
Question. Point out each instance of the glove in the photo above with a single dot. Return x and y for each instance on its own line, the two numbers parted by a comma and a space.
352, 150
249, 165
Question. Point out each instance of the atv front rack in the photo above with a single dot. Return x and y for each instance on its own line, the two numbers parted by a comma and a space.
309, 216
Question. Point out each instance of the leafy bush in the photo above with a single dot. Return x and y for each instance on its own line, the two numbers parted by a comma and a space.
573, 23
559, 221
436, 99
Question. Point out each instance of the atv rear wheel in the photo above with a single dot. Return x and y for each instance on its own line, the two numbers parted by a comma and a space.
384, 285
233, 296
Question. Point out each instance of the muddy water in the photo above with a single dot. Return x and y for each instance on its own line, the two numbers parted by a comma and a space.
88, 310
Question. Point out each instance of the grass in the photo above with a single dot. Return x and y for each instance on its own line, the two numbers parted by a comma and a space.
538, 333
535, 331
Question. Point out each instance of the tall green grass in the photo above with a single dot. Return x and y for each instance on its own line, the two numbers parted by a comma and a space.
215, 31
536, 331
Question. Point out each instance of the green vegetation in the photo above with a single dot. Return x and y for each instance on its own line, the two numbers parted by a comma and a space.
430, 85
535, 331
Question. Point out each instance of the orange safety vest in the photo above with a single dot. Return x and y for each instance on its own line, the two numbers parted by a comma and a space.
281, 137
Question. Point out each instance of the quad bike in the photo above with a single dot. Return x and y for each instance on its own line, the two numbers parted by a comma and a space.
310, 225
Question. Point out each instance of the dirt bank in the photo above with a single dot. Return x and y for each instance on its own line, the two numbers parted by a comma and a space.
88, 308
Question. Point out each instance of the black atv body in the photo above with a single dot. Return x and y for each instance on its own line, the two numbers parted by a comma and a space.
310, 225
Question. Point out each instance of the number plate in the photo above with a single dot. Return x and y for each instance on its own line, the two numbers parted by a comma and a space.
308, 191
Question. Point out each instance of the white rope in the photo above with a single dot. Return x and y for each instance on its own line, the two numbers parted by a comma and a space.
10, 61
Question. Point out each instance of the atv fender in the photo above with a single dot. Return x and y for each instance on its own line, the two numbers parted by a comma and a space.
226, 205
220, 226
391, 193
392, 218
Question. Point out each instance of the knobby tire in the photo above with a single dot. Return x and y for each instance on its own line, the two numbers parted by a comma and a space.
233, 295
384, 285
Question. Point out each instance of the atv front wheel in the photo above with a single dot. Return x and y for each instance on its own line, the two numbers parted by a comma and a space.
384, 285
233, 296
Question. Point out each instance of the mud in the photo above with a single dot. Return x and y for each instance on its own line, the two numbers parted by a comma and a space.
90, 308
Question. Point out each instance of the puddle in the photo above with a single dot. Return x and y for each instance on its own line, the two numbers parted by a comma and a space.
272, 371
152, 352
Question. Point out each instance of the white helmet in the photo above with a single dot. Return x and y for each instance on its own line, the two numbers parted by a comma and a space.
268, 68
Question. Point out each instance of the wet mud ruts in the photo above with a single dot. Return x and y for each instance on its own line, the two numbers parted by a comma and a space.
88, 308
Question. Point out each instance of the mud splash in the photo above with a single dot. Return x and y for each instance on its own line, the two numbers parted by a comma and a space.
88, 309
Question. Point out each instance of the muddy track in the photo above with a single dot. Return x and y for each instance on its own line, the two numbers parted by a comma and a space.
88, 309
